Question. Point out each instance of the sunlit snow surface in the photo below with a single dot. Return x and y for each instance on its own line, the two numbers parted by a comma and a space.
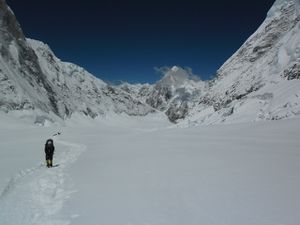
123, 170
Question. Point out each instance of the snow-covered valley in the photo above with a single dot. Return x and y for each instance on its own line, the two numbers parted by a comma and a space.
181, 151
137, 170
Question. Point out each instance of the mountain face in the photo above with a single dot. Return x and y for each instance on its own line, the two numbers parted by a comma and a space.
33, 78
261, 81
174, 94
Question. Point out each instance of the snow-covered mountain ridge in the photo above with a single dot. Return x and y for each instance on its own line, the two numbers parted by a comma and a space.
32, 78
261, 80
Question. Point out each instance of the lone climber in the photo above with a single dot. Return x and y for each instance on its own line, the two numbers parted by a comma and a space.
49, 151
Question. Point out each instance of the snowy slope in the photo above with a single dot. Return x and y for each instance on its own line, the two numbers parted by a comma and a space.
134, 170
261, 80
82, 91
33, 78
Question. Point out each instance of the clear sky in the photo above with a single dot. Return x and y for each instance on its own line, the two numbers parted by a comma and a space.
124, 40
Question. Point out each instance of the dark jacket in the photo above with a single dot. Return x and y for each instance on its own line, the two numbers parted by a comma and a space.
49, 147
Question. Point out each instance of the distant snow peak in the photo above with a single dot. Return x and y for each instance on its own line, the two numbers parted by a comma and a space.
175, 68
177, 76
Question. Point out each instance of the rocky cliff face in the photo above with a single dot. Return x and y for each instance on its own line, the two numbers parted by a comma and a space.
33, 78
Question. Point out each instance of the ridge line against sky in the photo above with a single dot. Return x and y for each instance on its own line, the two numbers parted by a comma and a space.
117, 40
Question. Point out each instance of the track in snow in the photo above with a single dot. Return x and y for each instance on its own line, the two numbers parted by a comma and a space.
35, 196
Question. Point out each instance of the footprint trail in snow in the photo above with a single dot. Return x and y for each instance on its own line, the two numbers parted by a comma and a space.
35, 196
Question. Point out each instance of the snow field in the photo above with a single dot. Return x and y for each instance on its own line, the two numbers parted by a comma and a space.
35, 195
233, 174
137, 171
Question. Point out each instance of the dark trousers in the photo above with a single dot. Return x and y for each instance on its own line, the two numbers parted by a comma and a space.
49, 159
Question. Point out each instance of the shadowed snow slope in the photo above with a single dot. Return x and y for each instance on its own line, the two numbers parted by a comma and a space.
144, 171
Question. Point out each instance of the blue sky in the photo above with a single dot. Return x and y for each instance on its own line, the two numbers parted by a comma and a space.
125, 40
